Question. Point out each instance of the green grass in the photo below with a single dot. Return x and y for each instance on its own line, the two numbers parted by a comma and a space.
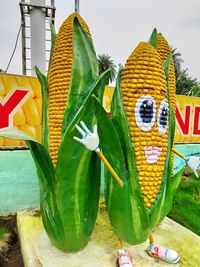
3, 232
186, 206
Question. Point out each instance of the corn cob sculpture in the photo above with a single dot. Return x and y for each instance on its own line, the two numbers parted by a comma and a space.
69, 176
142, 125
137, 140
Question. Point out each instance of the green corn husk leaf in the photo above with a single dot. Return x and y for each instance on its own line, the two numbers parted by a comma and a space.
158, 210
69, 212
79, 185
69, 196
78, 170
45, 107
45, 94
46, 174
109, 143
126, 207
173, 183
131, 221
153, 38
171, 190
166, 67
84, 72
53, 41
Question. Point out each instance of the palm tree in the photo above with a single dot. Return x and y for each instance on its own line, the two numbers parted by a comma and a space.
185, 85
195, 91
105, 62
177, 61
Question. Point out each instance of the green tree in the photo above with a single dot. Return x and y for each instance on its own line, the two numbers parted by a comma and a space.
185, 85
195, 91
105, 62
177, 61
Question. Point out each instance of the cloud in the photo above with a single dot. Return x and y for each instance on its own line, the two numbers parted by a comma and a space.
192, 22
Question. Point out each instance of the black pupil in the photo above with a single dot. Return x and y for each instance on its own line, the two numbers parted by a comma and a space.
163, 117
146, 111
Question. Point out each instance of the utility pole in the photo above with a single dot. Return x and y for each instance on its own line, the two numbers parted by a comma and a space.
77, 6
36, 39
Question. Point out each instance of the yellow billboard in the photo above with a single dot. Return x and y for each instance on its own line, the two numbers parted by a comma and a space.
21, 104
187, 116
187, 119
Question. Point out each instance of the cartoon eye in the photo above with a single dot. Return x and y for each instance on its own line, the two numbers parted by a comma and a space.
162, 120
145, 110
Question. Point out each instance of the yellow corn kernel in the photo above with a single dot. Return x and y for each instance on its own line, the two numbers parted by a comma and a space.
148, 205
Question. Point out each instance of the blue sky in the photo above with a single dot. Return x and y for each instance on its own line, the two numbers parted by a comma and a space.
117, 27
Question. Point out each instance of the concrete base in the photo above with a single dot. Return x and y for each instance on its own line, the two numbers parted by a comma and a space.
101, 251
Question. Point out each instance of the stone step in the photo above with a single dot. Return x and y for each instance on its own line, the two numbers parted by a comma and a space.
101, 251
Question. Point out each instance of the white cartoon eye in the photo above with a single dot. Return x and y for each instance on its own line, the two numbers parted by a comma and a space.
162, 120
145, 111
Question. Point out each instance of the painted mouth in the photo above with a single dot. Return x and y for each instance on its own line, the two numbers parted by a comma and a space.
152, 153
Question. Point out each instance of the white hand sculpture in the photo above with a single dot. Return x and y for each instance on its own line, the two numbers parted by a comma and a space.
89, 139
193, 163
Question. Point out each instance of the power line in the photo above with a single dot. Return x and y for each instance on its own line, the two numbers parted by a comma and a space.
16, 42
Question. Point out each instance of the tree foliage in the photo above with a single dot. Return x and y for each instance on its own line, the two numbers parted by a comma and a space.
105, 62
177, 60
185, 85
195, 91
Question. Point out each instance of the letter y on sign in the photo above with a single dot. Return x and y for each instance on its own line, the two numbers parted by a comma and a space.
10, 104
